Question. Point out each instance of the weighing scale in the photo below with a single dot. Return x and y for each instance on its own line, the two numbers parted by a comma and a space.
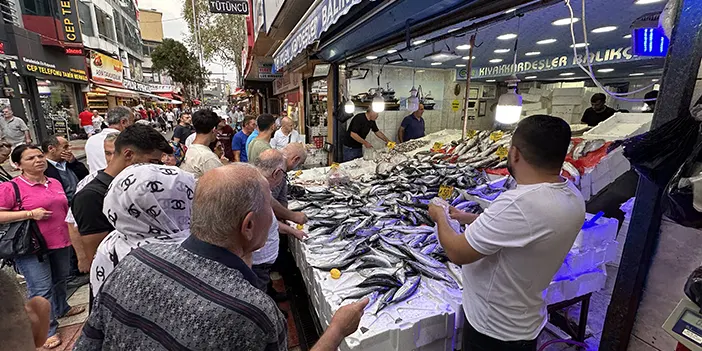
685, 324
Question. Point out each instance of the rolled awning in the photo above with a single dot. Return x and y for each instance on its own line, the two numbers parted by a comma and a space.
119, 92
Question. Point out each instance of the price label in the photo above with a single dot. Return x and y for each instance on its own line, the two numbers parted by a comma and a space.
501, 152
495, 136
391, 145
298, 173
470, 134
445, 192
299, 227
334, 166
437, 146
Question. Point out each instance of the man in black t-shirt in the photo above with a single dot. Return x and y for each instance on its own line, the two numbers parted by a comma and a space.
360, 126
184, 129
598, 112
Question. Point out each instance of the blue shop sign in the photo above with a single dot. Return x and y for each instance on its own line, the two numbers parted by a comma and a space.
311, 28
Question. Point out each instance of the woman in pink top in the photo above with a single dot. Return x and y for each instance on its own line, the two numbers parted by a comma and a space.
44, 201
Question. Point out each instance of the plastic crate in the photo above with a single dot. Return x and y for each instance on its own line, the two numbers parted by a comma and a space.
621, 126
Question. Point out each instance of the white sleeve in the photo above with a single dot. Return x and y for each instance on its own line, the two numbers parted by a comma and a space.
503, 224
69, 217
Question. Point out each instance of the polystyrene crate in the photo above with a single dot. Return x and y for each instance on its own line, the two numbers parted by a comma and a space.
529, 97
567, 100
584, 284
580, 92
604, 230
566, 109
621, 126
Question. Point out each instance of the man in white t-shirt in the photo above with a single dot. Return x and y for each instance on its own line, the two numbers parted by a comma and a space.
117, 119
511, 252
200, 158
285, 135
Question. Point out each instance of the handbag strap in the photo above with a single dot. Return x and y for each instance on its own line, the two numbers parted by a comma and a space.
18, 198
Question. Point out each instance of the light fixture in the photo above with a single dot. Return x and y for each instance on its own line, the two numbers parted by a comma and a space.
435, 63
378, 103
530, 77
501, 51
511, 10
420, 71
565, 21
605, 70
468, 58
628, 36
463, 47
533, 53
489, 81
349, 107
604, 29
654, 79
419, 42
636, 74
391, 51
579, 45
646, 2
460, 65
453, 30
371, 57
507, 36
546, 41
413, 100
509, 105
440, 55
567, 74
495, 60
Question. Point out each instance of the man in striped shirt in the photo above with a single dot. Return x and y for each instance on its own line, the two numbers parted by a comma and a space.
200, 295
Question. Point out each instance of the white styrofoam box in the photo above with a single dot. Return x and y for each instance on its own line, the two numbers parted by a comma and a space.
531, 97
567, 100
566, 109
532, 106
611, 251
621, 126
579, 261
584, 284
543, 111
598, 184
605, 229
569, 92
538, 91
554, 292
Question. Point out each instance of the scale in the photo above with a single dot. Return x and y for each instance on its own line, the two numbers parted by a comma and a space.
685, 324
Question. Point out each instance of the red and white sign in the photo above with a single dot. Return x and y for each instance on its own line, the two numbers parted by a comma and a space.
105, 69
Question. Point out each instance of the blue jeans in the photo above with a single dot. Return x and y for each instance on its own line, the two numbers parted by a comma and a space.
48, 280
351, 153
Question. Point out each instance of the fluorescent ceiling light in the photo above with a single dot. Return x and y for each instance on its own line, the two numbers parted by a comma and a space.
489, 81
567, 74
501, 51
628, 36
392, 51
420, 71
467, 58
511, 10
453, 29
495, 60
530, 77
436, 63
371, 57
646, 2
419, 42
604, 29
546, 41
579, 45
654, 79
396, 62
463, 47
460, 65
441, 56
565, 21
636, 74
507, 36
533, 53
605, 70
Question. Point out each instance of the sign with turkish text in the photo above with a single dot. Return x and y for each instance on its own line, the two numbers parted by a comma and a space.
265, 71
230, 7
137, 86
50, 70
68, 15
105, 69
311, 28
161, 88
613, 55
288, 82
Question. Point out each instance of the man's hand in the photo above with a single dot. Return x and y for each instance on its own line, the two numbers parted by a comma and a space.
224, 160
298, 234
436, 212
68, 156
462, 216
84, 264
346, 319
368, 145
299, 217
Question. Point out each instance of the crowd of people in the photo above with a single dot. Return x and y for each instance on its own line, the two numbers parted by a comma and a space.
179, 233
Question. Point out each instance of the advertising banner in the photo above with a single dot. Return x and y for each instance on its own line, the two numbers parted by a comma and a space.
105, 69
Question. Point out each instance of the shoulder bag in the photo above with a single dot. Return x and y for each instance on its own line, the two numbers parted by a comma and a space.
22, 237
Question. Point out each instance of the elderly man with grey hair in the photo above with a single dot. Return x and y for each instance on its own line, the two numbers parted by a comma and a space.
285, 135
200, 294
118, 118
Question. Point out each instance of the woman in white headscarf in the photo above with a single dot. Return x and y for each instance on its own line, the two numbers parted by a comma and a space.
146, 204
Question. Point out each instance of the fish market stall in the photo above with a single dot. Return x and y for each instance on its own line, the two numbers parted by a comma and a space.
370, 235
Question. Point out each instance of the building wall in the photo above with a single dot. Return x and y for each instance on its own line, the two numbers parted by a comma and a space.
150, 25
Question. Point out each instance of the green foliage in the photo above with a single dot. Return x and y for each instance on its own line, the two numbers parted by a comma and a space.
173, 58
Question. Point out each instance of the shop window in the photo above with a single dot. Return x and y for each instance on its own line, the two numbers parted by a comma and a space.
132, 37
119, 26
86, 22
145, 50
58, 100
128, 7
36, 8
104, 24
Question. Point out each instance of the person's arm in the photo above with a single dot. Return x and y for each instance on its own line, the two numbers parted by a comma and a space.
401, 135
27, 137
288, 230
237, 155
91, 243
177, 134
358, 138
344, 322
77, 243
382, 136
462, 217
37, 214
284, 214
457, 248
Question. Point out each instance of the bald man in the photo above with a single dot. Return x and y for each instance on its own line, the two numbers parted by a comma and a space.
285, 135
207, 277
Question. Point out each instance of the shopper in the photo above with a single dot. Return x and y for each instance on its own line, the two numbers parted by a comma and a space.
598, 112
511, 252
355, 141
5, 149
16, 130
136, 144
239, 141
225, 135
200, 158
86, 121
44, 201
23, 326
63, 165
251, 137
118, 118
286, 135
412, 126
203, 283
262, 142
149, 204
184, 128
651, 98
170, 118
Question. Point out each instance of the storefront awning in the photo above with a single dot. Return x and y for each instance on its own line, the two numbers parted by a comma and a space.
154, 96
119, 92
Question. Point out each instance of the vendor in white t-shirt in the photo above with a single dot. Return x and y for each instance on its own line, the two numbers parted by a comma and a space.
511, 252
285, 135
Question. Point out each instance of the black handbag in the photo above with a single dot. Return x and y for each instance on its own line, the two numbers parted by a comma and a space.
20, 238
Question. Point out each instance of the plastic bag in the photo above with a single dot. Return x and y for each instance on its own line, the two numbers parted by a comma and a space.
659, 153
337, 176
454, 224
693, 287
678, 202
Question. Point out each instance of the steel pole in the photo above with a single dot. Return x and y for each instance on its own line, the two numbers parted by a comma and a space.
465, 105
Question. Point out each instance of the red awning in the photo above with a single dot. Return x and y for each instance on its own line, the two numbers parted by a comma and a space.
166, 95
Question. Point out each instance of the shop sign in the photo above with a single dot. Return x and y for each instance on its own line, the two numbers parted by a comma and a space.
265, 71
68, 14
161, 88
38, 67
137, 86
620, 54
230, 7
73, 51
59, 126
319, 20
105, 69
288, 82
455, 105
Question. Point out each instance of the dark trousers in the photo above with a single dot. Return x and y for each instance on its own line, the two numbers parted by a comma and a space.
263, 272
475, 341
351, 153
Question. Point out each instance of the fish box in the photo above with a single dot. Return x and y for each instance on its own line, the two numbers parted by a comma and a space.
566, 110
621, 126
532, 106
567, 100
531, 97
543, 111
584, 284
579, 92
604, 230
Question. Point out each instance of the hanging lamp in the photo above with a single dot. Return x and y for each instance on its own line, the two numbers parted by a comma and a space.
509, 105
378, 104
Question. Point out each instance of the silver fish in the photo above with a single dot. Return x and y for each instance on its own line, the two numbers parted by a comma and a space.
434, 273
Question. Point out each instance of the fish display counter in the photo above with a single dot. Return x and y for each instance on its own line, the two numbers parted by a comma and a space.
370, 235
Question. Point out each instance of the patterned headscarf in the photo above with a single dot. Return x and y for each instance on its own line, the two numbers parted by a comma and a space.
145, 203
